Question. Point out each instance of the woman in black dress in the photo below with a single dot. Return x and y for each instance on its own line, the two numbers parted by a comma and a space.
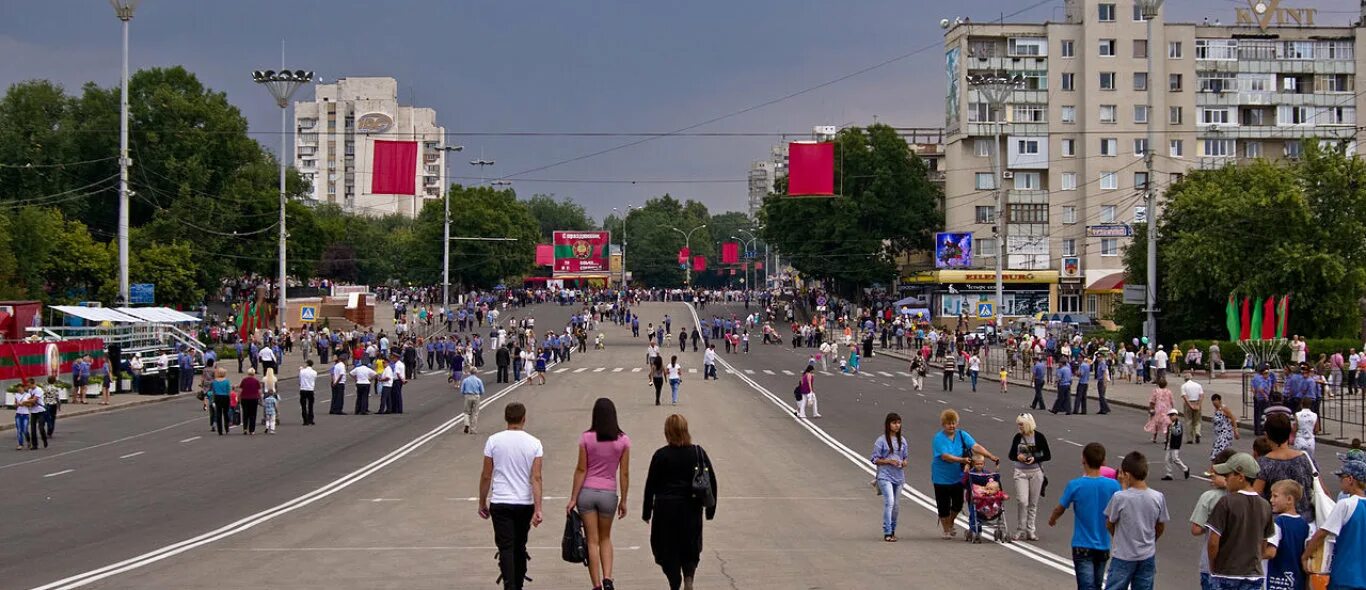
676, 528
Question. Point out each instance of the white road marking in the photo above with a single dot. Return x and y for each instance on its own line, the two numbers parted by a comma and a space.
378, 500
580, 369
47, 457
399, 548
941, 401
826, 373
561, 370
768, 372
903, 373
616, 370
787, 372
749, 371
192, 439
692, 370
885, 374
1075, 444
997, 419
131, 455
62, 472
635, 370
599, 369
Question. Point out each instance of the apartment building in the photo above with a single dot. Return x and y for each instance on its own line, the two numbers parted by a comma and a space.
1075, 133
335, 138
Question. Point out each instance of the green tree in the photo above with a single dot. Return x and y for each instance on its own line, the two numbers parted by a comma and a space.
169, 267
558, 215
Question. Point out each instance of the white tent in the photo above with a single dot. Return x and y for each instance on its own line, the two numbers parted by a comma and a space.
96, 314
164, 315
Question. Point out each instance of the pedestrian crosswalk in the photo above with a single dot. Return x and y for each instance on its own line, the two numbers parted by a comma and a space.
874, 375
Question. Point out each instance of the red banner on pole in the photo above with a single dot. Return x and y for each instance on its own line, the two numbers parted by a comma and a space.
683, 254
730, 253
699, 263
581, 251
758, 266
394, 168
811, 169
545, 254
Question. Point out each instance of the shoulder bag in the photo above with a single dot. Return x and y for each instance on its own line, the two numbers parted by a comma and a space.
701, 481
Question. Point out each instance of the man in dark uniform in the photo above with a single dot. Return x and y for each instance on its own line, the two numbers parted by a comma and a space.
694, 340
503, 358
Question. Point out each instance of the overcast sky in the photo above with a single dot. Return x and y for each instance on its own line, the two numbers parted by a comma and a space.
556, 66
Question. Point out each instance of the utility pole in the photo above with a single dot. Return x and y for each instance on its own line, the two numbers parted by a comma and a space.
124, 10
997, 89
446, 232
1150, 9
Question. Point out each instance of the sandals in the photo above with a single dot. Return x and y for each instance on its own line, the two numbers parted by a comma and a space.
889, 538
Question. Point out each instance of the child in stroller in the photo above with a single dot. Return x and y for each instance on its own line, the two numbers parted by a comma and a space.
987, 499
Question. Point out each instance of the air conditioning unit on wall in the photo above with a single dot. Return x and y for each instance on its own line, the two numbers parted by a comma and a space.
1008, 175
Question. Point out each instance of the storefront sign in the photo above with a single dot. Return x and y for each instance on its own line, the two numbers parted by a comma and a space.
1115, 230
985, 276
1265, 13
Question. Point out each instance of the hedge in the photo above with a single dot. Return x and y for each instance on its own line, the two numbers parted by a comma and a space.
1233, 354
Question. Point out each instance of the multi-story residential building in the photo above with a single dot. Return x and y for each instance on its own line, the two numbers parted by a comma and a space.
1076, 133
335, 139
763, 174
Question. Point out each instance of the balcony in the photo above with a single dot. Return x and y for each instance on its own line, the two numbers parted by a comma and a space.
1026, 196
431, 158
1021, 63
989, 129
1278, 131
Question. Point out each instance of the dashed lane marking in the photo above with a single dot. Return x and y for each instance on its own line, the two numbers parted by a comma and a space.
599, 369
580, 369
768, 372
561, 370
62, 472
131, 455
787, 372
635, 370
885, 374
192, 439
616, 370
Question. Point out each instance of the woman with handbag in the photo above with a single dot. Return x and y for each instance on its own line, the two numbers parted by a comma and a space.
603, 451
1029, 451
680, 487
806, 389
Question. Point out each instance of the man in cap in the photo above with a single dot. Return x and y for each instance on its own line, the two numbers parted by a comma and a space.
1239, 527
1347, 523
1262, 384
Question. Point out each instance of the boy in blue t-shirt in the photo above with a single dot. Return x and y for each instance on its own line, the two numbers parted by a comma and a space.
1283, 571
1088, 496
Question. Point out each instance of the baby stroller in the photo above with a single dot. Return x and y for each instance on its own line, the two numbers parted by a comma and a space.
986, 499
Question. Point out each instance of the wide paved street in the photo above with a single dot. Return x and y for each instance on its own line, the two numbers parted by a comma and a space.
147, 498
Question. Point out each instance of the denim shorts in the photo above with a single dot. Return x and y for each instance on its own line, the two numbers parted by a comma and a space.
603, 502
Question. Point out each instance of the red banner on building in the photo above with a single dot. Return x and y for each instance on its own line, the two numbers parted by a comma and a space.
730, 253
811, 169
699, 263
581, 251
545, 255
393, 169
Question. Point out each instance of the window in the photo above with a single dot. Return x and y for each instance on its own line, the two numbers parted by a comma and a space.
1069, 82
1140, 146
1140, 180
1339, 50
1069, 48
1031, 47
1107, 47
1173, 50
984, 247
1109, 246
1109, 146
1217, 82
1216, 49
1220, 148
1029, 113
1141, 113
986, 214
986, 181
1028, 181
1028, 146
1069, 214
1293, 149
1105, 13
1178, 148
1140, 80
1069, 247
1069, 114
1109, 181
1301, 50
1029, 213
1109, 113
1255, 117
1107, 214
1214, 116
981, 112
1107, 80
1174, 115
1338, 116
1141, 48
1253, 149
981, 148
1069, 181
1293, 115
1174, 82
1069, 148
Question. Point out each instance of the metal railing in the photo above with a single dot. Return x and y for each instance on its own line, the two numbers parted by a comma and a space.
132, 339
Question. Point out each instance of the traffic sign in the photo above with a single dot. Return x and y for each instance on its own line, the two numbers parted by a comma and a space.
984, 311
142, 293
308, 313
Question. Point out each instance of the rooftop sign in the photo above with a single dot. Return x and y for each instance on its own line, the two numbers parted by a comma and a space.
1265, 13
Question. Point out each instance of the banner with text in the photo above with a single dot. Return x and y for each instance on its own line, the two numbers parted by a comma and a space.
581, 251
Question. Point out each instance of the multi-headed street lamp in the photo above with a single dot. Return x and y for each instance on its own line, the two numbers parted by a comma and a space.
282, 85
124, 10
446, 232
687, 243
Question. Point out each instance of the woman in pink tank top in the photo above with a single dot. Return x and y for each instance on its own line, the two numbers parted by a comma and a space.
603, 451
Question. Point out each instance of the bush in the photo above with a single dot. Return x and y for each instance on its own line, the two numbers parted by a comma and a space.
1234, 356
17, 385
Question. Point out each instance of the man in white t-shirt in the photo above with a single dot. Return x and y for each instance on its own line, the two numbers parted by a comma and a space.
338, 388
1191, 396
308, 378
1160, 361
363, 375
510, 492
709, 362
386, 387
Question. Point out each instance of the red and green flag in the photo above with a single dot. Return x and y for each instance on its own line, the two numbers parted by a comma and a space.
1283, 317
1269, 321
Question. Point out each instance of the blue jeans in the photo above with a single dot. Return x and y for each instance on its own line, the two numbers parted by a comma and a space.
673, 386
1205, 583
890, 507
1089, 565
974, 379
21, 427
1234, 584
1135, 575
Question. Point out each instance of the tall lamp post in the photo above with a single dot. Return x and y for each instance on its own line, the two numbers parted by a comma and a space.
446, 232
687, 243
481, 163
747, 244
623, 240
996, 89
124, 10
282, 85
1149, 9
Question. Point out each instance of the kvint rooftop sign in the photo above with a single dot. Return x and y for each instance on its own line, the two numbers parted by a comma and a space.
1264, 13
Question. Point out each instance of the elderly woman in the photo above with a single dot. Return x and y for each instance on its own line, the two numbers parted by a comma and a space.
953, 450
674, 514
1029, 451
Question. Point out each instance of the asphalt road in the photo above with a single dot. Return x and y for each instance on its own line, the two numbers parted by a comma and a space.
115, 485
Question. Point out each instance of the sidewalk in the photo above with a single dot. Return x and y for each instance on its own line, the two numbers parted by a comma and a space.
116, 402
1337, 432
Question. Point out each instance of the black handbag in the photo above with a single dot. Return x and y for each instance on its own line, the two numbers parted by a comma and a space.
574, 546
701, 482
797, 392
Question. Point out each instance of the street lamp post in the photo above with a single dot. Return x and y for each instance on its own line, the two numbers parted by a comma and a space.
282, 85
124, 10
446, 233
481, 163
687, 244
623, 240
747, 244
1149, 9
996, 89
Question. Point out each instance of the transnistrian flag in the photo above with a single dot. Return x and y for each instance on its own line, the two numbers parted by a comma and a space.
1231, 318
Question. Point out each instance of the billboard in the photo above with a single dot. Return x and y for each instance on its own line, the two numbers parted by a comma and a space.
582, 251
952, 250
811, 169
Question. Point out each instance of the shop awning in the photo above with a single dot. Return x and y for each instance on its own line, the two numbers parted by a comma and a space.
97, 314
164, 315
1111, 283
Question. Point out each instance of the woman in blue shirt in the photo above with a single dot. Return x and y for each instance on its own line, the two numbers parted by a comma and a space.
953, 450
889, 455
